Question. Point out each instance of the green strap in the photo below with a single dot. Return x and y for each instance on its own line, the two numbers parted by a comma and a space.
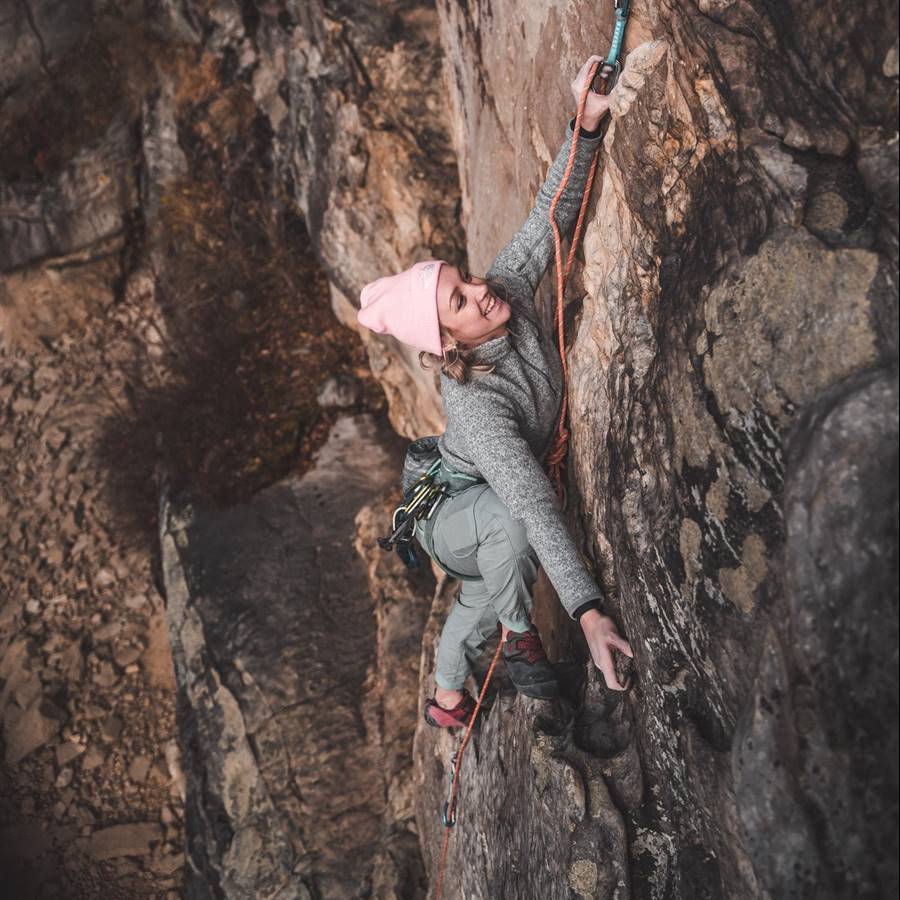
454, 474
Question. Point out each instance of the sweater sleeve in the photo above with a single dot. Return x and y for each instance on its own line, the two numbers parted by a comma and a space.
528, 254
506, 462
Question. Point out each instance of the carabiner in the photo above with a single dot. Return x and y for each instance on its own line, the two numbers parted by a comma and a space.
448, 819
604, 71
448, 814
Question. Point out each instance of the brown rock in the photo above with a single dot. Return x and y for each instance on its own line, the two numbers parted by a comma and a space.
107, 632
66, 752
111, 728
136, 601
71, 661
124, 655
104, 578
53, 555
27, 690
93, 758
121, 840
37, 725
157, 658
158, 775
106, 676
168, 864
10, 609
95, 711
138, 770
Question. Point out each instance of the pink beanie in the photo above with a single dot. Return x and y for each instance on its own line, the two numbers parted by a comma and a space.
405, 305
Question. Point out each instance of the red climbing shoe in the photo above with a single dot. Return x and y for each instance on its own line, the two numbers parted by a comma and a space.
527, 665
449, 718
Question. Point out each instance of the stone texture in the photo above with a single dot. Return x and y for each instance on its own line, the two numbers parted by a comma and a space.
31, 729
70, 171
122, 840
736, 274
732, 331
82, 208
811, 773
341, 392
363, 136
400, 598
296, 743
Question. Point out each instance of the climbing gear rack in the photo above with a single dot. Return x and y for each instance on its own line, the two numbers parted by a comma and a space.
419, 502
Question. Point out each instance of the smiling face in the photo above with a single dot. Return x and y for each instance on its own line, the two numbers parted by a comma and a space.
468, 309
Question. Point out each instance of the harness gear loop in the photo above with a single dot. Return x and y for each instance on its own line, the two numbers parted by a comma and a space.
419, 502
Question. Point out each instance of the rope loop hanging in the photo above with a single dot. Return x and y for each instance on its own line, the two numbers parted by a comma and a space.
556, 457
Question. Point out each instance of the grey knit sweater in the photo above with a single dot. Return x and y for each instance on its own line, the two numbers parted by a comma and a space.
501, 425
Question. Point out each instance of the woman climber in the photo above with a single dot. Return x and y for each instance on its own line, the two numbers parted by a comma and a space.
501, 384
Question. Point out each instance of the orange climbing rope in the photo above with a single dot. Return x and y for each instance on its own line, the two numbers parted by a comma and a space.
556, 456
450, 812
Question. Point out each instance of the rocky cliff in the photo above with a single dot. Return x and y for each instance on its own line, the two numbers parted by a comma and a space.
732, 338
734, 452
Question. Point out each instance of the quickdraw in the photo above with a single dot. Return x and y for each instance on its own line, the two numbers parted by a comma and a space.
609, 68
448, 813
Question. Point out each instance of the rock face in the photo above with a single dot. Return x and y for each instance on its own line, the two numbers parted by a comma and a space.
295, 728
733, 458
732, 338
363, 140
125, 125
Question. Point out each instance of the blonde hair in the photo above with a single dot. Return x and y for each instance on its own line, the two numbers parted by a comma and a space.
456, 363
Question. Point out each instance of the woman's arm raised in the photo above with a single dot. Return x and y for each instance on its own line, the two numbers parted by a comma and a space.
527, 255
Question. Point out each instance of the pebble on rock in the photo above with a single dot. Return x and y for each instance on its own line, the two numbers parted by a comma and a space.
111, 728
67, 751
138, 770
121, 840
34, 728
93, 758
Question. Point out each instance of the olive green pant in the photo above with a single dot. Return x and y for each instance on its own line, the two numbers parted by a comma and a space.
473, 537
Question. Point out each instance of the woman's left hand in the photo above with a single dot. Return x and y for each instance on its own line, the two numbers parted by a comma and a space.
596, 106
602, 638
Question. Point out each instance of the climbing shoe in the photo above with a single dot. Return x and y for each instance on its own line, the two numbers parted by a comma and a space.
527, 665
449, 718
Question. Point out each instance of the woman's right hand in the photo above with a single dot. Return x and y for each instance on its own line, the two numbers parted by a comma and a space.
602, 638
596, 106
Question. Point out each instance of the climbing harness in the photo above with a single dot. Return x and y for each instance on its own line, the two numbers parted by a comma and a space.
606, 72
427, 480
